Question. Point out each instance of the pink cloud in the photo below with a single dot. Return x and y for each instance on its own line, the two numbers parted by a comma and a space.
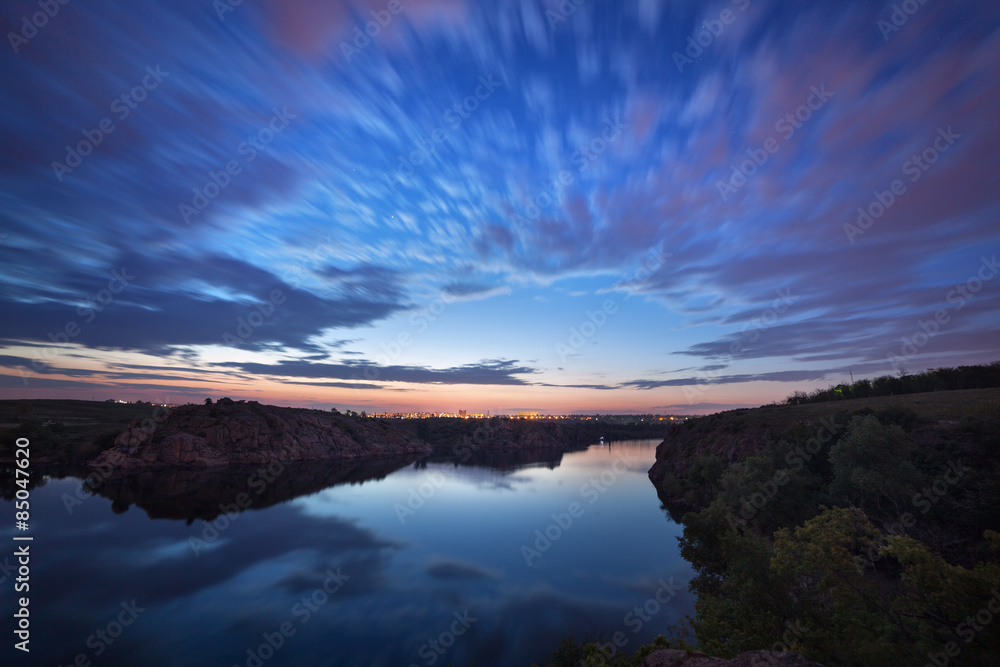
313, 29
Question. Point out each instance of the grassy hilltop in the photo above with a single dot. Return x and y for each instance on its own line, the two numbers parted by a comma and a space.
66, 431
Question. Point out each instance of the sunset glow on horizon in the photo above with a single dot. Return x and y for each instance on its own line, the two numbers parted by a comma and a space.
442, 205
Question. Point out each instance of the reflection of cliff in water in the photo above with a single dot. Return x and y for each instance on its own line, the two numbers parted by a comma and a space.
190, 494
505, 460
674, 510
182, 493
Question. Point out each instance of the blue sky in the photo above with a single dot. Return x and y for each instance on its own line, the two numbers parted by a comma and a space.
628, 206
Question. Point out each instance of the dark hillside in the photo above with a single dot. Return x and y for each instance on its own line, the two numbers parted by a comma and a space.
870, 524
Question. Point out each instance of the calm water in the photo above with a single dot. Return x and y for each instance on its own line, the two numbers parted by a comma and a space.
445, 581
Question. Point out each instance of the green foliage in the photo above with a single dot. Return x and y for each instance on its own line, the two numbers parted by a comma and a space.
872, 467
941, 596
935, 379
734, 575
701, 477
827, 559
819, 562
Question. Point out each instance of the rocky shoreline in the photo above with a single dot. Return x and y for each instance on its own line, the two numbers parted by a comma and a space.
230, 432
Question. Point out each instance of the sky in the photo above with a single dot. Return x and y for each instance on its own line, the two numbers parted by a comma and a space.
630, 206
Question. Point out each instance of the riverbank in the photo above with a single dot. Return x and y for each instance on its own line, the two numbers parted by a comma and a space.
868, 526
137, 436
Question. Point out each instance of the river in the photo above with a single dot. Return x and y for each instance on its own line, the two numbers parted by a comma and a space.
394, 563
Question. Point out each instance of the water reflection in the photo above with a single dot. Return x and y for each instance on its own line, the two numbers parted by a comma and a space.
205, 494
216, 587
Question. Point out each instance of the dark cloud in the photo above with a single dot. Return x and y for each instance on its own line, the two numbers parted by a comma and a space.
173, 302
466, 289
776, 376
366, 281
488, 371
453, 569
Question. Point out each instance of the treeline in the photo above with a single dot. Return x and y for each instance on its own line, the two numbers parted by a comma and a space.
866, 539
936, 379
445, 433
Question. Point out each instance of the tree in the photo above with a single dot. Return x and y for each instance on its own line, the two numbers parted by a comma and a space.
208, 401
873, 468
827, 559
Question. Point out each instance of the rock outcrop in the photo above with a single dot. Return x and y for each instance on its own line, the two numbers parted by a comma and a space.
675, 658
250, 433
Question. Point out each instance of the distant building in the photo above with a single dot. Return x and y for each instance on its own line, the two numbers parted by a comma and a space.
528, 414
462, 414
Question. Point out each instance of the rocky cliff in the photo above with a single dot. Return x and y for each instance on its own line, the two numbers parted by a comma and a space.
930, 420
728, 440
229, 432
